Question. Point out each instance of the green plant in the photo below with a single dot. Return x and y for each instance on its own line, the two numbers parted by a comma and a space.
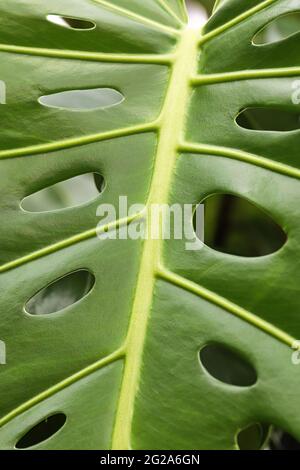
168, 348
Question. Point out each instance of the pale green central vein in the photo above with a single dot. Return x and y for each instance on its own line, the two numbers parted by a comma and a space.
171, 127
226, 304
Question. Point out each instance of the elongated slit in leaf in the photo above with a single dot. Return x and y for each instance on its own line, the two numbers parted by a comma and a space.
72, 192
71, 22
279, 29
269, 119
42, 431
83, 100
61, 293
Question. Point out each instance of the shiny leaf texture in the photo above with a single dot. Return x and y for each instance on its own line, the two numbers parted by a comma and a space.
166, 348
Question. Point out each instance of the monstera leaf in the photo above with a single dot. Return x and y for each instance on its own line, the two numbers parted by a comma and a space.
160, 347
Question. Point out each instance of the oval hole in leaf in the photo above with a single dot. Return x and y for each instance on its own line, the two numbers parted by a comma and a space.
269, 119
65, 194
227, 366
83, 100
71, 22
61, 293
42, 431
253, 437
237, 227
281, 28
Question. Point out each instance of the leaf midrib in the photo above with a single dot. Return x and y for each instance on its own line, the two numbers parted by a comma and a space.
172, 123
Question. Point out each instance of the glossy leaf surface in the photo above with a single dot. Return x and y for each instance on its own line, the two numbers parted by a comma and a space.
122, 362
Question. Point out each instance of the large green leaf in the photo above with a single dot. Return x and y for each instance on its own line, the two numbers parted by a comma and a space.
123, 362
